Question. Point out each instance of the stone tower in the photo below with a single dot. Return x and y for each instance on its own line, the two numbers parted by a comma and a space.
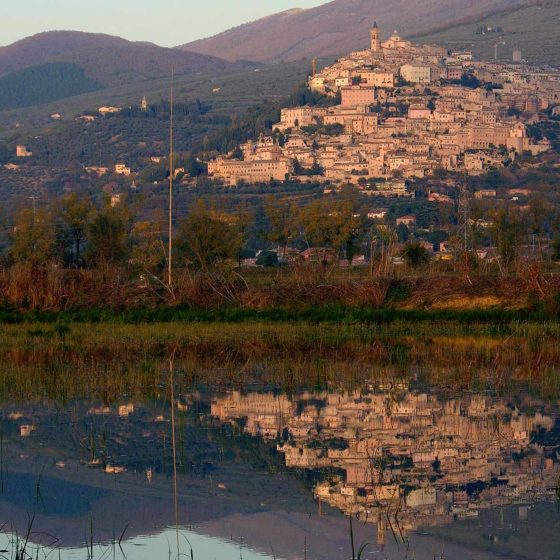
375, 42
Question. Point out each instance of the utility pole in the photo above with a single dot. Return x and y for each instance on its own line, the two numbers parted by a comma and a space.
170, 242
463, 213
33, 198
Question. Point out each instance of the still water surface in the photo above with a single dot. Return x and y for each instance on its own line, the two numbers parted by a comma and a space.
263, 474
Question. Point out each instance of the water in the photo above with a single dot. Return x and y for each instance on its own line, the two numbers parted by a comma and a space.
420, 472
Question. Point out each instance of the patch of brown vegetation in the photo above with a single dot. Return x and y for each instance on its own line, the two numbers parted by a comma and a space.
49, 288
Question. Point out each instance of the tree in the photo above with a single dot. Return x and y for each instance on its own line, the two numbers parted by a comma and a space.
317, 169
237, 154
33, 237
75, 215
506, 231
331, 225
382, 248
513, 112
207, 238
403, 233
149, 252
538, 213
297, 167
415, 255
282, 219
267, 258
470, 80
192, 166
556, 249
107, 236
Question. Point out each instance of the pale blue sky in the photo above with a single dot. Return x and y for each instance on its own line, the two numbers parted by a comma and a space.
165, 22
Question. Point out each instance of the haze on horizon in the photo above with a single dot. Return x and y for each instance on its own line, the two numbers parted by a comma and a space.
167, 23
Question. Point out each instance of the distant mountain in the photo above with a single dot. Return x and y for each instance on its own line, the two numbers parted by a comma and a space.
84, 59
339, 27
135, 62
45, 47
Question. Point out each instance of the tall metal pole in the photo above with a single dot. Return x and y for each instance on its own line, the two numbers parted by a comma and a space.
33, 199
33, 225
170, 242
463, 213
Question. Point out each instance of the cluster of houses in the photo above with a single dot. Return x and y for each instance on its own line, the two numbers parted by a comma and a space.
404, 110
432, 460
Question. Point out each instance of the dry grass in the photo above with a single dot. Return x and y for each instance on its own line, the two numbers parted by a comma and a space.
48, 288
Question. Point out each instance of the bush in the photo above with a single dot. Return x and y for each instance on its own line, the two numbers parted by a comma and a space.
398, 291
556, 249
552, 305
415, 255
267, 258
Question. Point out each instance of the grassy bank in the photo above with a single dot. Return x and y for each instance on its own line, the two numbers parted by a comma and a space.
310, 314
109, 360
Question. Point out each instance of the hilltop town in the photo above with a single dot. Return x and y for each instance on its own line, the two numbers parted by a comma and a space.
401, 111
400, 157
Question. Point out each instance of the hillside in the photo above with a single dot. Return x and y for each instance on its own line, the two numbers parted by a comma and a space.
44, 83
338, 27
105, 58
533, 28
138, 62
102, 60
45, 47
238, 89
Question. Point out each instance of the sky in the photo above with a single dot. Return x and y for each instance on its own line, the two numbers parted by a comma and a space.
164, 22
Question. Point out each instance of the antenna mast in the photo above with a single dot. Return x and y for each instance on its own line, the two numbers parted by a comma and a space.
170, 233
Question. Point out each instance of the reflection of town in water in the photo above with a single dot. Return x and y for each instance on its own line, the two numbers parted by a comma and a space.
404, 459
408, 462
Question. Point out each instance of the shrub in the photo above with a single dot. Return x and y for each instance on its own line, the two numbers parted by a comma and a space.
267, 258
415, 255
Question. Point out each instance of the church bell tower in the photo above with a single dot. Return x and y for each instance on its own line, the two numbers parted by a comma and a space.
375, 42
